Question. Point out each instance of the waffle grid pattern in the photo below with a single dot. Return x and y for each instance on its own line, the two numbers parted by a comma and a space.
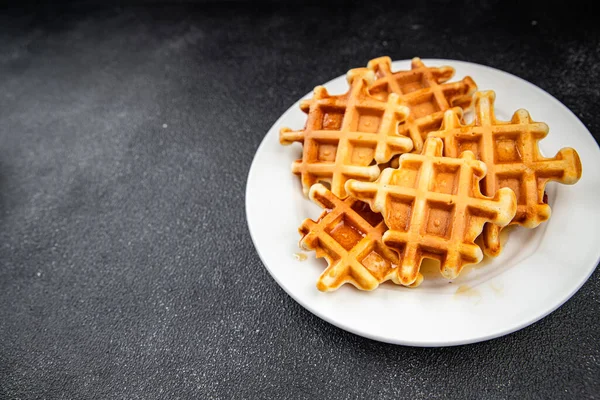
433, 208
346, 136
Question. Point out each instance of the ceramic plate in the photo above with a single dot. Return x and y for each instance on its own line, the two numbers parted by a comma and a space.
538, 270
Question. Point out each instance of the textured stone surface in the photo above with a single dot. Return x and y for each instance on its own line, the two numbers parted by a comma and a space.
126, 267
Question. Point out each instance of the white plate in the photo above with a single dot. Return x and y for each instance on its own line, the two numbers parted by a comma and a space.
538, 270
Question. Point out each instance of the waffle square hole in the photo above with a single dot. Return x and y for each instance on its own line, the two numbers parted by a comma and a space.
376, 263
515, 182
361, 154
506, 149
345, 232
380, 90
406, 176
326, 151
365, 212
398, 212
424, 105
445, 179
439, 219
433, 125
369, 119
332, 118
410, 83
472, 144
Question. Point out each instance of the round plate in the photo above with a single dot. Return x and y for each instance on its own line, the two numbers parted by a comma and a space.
538, 270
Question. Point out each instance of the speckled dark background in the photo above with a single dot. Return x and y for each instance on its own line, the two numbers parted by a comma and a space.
126, 134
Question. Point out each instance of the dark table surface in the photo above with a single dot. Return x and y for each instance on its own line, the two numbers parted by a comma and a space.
126, 267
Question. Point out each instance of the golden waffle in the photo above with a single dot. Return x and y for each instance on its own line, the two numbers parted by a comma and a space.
423, 91
345, 133
434, 209
510, 151
348, 235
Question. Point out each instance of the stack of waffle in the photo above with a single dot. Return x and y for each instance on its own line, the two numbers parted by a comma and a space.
408, 179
